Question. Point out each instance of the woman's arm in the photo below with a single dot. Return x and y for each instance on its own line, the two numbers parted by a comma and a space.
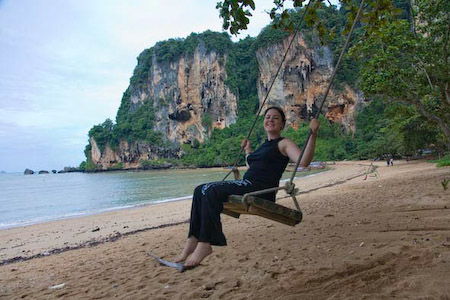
248, 149
290, 149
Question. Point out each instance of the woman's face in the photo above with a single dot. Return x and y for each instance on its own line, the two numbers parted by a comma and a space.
273, 122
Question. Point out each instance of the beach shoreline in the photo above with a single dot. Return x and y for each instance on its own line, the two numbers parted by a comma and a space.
50, 197
41, 239
381, 236
81, 214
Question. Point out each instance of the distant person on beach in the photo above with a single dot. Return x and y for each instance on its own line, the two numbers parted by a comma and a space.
266, 165
391, 161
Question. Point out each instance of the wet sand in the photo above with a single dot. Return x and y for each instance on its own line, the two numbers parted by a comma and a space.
380, 238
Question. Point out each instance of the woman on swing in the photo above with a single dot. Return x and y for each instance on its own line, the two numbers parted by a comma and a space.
266, 165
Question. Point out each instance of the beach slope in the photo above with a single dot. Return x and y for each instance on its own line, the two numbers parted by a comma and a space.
380, 238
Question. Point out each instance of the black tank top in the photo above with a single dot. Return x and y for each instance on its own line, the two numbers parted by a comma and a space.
266, 164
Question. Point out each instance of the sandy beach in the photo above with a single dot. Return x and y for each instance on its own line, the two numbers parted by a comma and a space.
385, 237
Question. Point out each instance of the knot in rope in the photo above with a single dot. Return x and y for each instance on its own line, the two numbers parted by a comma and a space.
290, 187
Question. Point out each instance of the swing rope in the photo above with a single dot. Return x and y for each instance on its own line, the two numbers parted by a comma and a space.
290, 186
328, 88
270, 88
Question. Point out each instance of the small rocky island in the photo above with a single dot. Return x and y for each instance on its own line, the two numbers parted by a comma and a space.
65, 170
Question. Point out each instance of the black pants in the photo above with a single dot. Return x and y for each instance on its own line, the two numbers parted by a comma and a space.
207, 204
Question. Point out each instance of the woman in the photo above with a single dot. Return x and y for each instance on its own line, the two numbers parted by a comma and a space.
266, 165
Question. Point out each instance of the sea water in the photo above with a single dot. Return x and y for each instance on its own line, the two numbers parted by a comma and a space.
30, 199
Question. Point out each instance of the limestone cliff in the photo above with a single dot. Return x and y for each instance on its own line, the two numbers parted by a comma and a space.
187, 91
188, 96
301, 84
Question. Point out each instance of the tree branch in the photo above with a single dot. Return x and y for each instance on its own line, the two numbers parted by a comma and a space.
444, 127
447, 92
412, 19
407, 83
425, 71
447, 34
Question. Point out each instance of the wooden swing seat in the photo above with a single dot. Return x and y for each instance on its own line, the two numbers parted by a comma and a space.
261, 207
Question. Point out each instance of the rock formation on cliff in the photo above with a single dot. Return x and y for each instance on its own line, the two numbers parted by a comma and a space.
301, 84
185, 92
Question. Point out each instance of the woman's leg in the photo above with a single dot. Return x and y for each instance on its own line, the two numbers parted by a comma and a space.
194, 226
206, 226
191, 244
196, 212
201, 251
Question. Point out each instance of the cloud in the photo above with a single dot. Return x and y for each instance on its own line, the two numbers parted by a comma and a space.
38, 148
65, 65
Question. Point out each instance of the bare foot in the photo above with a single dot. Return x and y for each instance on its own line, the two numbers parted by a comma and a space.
201, 251
190, 246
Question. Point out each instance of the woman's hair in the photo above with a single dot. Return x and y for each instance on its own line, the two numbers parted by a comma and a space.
283, 116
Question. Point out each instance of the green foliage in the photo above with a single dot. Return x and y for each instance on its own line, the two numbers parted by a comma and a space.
196, 144
117, 166
389, 62
404, 64
443, 161
82, 166
102, 133
234, 14
269, 36
152, 163
169, 50
445, 182
173, 49
91, 167
414, 129
88, 165
139, 125
124, 108
334, 22
381, 130
222, 148
207, 121
374, 136
142, 71
332, 142
242, 75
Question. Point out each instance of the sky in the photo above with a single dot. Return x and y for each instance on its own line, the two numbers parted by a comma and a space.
64, 66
